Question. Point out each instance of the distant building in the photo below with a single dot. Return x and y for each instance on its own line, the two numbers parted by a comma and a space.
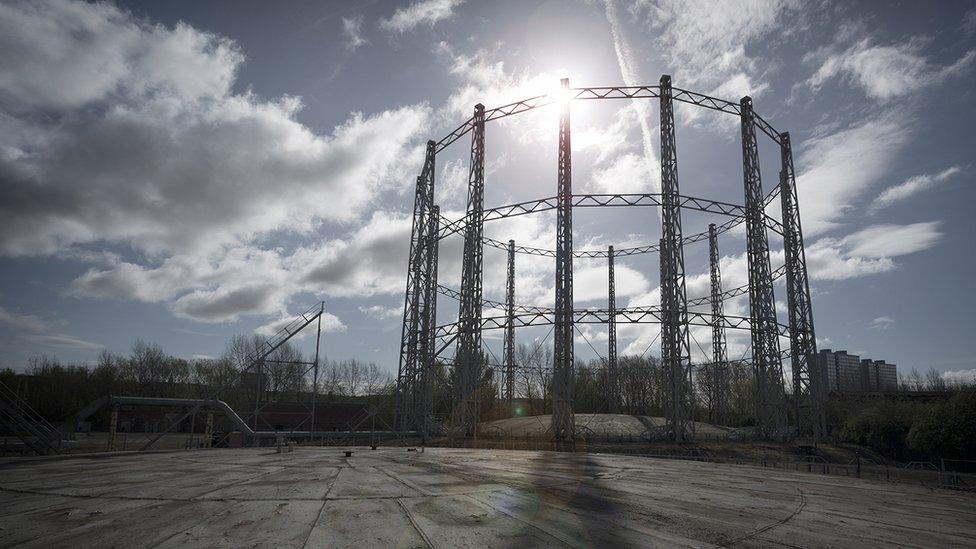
846, 373
842, 371
878, 375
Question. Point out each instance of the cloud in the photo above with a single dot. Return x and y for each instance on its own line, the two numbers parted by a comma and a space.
330, 324
827, 260
706, 42
886, 72
910, 187
626, 61
37, 329
960, 376
380, 312
836, 169
968, 25
868, 251
64, 341
590, 283
882, 323
371, 261
163, 151
889, 240
23, 322
352, 31
64, 55
224, 304
421, 13
119, 132
626, 174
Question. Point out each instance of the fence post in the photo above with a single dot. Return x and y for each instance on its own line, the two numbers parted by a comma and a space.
858, 464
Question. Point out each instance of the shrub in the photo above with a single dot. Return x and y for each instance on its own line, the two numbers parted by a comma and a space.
947, 430
881, 426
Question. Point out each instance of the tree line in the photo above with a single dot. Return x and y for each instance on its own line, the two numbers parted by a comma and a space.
58, 390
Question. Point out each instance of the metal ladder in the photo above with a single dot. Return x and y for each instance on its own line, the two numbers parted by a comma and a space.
24, 422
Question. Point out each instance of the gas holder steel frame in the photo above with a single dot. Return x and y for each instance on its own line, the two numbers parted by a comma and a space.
423, 341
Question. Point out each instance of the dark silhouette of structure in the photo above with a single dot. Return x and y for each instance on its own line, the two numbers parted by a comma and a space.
423, 341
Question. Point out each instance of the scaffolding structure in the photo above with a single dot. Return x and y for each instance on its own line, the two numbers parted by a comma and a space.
424, 342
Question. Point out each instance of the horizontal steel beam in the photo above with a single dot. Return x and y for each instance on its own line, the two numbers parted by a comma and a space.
737, 212
607, 92
629, 315
492, 304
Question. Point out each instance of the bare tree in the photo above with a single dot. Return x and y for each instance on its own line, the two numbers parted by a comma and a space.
934, 381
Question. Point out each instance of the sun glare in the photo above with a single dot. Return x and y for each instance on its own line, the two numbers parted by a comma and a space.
560, 94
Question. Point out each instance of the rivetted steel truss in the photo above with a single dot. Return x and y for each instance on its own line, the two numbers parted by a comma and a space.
423, 341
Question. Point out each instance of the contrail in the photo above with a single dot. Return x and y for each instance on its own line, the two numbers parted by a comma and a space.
625, 59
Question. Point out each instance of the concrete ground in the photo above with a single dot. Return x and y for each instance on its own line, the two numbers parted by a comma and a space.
457, 498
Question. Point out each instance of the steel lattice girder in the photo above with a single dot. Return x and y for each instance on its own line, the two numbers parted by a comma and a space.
510, 325
767, 365
563, 421
469, 310
415, 342
718, 370
704, 300
752, 213
607, 92
613, 386
675, 342
627, 315
651, 248
807, 382
449, 227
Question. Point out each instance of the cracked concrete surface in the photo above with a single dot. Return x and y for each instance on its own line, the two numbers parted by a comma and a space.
389, 497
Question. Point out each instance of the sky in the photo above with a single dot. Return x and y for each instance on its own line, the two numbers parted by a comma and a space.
180, 172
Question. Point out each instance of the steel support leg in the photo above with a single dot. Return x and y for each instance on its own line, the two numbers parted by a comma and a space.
510, 327
719, 378
469, 360
675, 344
428, 324
807, 387
613, 387
417, 294
563, 422
766, 362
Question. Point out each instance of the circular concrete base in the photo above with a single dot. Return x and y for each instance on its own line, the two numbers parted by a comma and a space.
390, 497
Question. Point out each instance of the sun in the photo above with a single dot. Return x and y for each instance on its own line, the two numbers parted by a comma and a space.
560, 92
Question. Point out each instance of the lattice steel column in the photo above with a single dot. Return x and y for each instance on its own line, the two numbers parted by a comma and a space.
719, 367
510, 327
675, 343
563, 422
417, 295
766, 363
807, 383
424, 406
468, 360
613, 387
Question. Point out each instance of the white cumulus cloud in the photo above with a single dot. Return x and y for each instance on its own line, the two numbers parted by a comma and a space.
421, 13
911, 187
